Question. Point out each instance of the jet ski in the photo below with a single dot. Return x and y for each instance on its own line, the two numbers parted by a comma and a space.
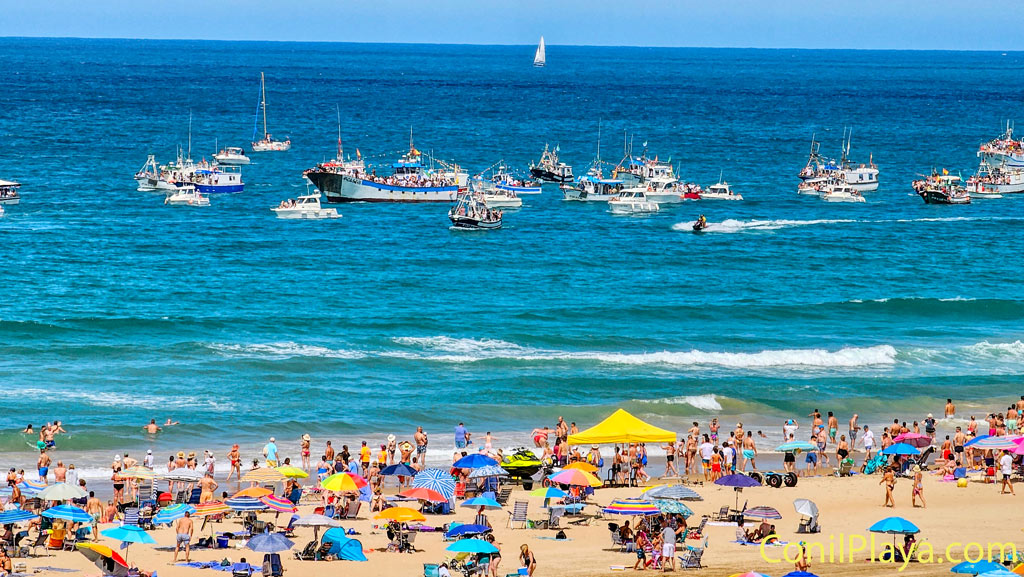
700, 224
522, 463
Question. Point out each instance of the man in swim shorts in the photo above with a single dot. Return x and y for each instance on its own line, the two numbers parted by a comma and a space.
183, 530
749, 451
44, 466
421, 444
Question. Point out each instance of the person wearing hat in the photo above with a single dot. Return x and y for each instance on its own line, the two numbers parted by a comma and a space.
918, 487
270, 452
392, 446
235, 463
305, 452
148, 459
929, 425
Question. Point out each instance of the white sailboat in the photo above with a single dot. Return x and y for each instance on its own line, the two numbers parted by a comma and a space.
539, 58
267, 143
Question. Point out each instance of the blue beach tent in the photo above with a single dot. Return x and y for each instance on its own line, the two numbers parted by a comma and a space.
342, 546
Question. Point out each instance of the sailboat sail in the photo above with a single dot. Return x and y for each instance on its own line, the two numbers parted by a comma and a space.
539, 58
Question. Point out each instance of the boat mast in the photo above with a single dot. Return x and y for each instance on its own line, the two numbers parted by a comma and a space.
263, 92
190, 134
338, 109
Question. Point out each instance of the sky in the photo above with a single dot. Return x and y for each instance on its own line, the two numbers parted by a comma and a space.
863, 24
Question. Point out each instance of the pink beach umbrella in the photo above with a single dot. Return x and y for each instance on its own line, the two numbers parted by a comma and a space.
914, 439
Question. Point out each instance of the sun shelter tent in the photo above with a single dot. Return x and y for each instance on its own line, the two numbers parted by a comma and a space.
622, 427
342, 546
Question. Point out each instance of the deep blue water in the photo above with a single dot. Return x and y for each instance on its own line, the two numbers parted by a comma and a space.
117, 308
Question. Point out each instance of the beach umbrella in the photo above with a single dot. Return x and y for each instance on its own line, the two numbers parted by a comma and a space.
805, 507
31, 488
1000, 442
61, 492
485, 502
471, 546
68, 513
488, 471
436, 479
762, 513
674, 492
256, 492
575, 477
269, 543
105, 558
977, 567
138, 472
998, 573
423, 494
399, 469
401, 515
128, 534
631, 507
467, 529
316, 521
548, 493
901, 449
894, 526
291, 472
183, 476
172, 513
474, 461
914, 439
343, 482
278, 504
16, 516
737, 482
245, 504
670, 507
796, 446
799, 574
749, 574
582, 466
263, 475
211, 508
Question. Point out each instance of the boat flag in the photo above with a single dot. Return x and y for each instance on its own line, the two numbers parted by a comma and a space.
945, 172
557, 148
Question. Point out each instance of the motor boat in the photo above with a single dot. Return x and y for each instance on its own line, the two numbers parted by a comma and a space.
522, 463
549, 169
501, 198
503, 180
841, 193
9, 192
663, 189
690, 191
862, 177
305, 207
472, 213
187, 195
592, 188
632, 201
811, 186
720, 191
231, 155
942, 188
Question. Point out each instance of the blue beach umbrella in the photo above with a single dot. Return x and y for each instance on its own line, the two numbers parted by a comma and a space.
467, 529
269, 543
674, 492
128, 534
901, 449
894, 526
548, 493
671, 507
68, 513
488, 471
172, 513
474, 461
437, 480
799, 574
399, 469
471, 546
737, 481
1004, 572
245, 504
976, 567
16, 516
484, 502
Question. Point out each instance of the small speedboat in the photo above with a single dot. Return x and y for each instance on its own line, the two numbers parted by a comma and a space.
187, 195
841, 193
305, 207
9, 192
472, 213
632, 201
501, 198
691, 191
231, 155
810, 186
720, 191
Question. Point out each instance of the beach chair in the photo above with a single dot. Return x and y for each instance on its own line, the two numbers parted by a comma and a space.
518, 514
722, 515
617, 542
179, 497
193, 498
41, 541
691, 559
502, 497
554, 516
131, 516
698, 531
272, 565
353, 510
844, 468
308, 552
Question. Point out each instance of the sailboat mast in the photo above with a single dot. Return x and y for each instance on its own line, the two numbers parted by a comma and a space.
190, 134
263, 92
338, 109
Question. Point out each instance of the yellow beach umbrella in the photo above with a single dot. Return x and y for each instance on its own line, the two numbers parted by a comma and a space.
138, 472
292, 472
343, 482
582, 466
401, 515
263, 475
255, 492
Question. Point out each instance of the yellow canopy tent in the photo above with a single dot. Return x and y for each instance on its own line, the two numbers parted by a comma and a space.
622, 427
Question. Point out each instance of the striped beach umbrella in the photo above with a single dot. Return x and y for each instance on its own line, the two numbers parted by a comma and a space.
263, 475
291, 472
576, 478
210, 508
670, 507
16, 516
548, 493
749, 574
343, 482
632, 507
256, 492
762, 513
674, 492
245, 504
437, 480
31, 488
68, 513
172, 513
138, 472
488, 471
278, 504
996, 443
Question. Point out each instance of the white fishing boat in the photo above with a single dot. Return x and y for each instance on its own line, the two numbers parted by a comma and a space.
305, 207
1004, 150
539, 57
862, 177
592, 188
187, 195
267, 143
632, 201
500, 198
720, 191
231, 155
841, 193
503, 180
148, 177
471, 213
9, 192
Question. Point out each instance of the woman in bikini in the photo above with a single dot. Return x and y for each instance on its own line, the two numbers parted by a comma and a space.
235, 459
305, 452
889, 480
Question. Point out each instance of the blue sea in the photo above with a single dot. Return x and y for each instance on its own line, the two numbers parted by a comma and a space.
117, 309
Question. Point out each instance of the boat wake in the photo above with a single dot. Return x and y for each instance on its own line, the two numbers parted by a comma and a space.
732, 226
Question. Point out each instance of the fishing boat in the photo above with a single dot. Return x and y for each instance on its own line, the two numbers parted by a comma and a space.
148, 177
231, 155
500, 198
862, 177
1004, 150
841, 193
217, 180
471, 213
539, 57
632, 201
503, 180
9, 192
942, 188
633, 170
187, 195
996, 180
267, 143
592, 188
305, 207
549, 169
